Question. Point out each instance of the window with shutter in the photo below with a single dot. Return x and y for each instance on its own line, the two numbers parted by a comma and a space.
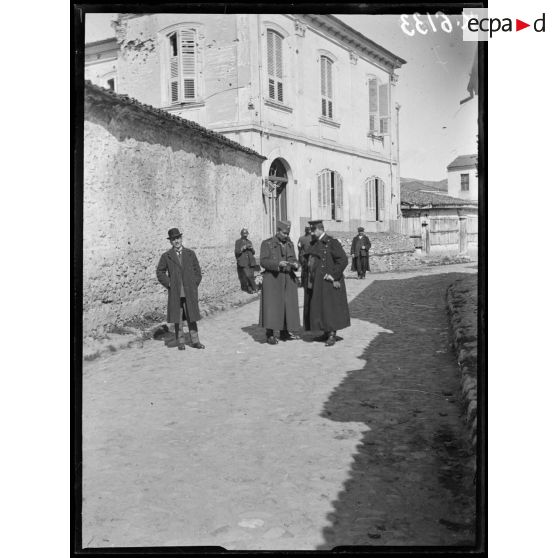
384, 108
373, 105
275, 65
183, 66
465, 182
381, 199
338, 190
370, 199
326, 83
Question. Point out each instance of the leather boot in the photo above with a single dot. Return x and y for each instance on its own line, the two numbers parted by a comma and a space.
196, 340
331, 339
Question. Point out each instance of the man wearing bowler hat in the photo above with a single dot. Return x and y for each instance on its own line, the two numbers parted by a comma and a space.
325, 298
279, 299
359, 252
179, 272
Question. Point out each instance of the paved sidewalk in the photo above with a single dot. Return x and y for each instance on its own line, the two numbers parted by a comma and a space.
294, 446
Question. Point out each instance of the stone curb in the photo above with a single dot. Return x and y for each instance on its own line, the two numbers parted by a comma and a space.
462, 302
134, 337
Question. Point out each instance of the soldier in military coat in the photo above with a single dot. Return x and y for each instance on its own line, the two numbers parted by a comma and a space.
325, 298
279, 297
179, 272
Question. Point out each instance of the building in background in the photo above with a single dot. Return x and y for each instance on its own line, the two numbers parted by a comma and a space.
463, 179
100, 63
308, 92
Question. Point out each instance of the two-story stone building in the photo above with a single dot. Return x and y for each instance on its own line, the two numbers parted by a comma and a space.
308, 92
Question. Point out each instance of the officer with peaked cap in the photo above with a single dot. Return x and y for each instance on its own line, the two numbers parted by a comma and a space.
279, 298
325, 298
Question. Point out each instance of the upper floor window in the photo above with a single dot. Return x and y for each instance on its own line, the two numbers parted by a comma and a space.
330, 195
378, 111
374, 196
182, 65
465, 182
326, 77
275, 65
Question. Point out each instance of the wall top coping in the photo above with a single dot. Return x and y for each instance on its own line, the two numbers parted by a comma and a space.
95, 94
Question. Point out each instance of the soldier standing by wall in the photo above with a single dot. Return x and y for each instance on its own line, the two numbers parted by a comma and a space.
179, 272
279, 302
325, 298
359, 252
245, 262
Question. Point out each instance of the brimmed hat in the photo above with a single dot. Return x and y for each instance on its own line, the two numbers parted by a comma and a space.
174, 233
243, 230
315, 222
360, 229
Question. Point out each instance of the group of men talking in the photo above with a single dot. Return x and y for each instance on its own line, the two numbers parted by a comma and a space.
321, 260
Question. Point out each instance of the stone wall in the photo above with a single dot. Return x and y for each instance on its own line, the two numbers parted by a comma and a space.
462, 298
388, 252
146, 171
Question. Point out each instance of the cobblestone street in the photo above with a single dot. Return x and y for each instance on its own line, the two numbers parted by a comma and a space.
294, 446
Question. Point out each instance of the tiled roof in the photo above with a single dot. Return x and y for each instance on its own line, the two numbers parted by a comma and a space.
164, 115
463, 161
430, 199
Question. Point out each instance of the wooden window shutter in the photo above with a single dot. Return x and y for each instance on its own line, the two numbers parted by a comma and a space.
338, 190
373, 104
381, 199
326, 81
384, 108
173, 68
275, 65
188, 54
370, 193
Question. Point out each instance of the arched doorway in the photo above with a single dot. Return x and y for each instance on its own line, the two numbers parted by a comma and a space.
278, 179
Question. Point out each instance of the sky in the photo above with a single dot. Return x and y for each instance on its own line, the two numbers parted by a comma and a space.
434, 128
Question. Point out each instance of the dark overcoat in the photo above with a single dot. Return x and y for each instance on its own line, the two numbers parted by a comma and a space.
359, 249
245, 258
326, 308
279, 298
170, 272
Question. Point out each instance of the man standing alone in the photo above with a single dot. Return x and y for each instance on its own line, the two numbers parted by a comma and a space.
325, 298
359, 252
245, 262
279, 302
179, 272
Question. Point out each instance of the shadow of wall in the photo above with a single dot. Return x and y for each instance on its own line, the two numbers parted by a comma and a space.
409, 483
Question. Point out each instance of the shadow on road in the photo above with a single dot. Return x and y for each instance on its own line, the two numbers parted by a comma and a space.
409, 482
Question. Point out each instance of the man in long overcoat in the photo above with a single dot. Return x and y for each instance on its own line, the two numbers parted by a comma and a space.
246, 262
325, 297
179, 272
359, 252
279, 298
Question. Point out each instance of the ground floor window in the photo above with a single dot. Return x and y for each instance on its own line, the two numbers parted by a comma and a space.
374, 199
330, 195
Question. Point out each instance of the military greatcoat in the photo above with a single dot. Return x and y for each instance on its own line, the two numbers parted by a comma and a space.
325, 307
279, 298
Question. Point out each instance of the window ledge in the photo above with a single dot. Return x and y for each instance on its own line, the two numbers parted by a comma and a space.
329, 122
379, 137
278, 105
185, 105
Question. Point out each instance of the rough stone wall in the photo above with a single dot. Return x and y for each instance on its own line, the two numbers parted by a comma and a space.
142, 176
389, 251
462, 298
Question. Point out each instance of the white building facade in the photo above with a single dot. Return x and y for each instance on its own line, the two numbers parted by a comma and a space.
308, 92
463, 181
100, 63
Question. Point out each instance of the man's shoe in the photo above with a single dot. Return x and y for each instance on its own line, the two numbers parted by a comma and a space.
272, 340
181, 346
323, 337
330, 341
287, 336
198, 345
